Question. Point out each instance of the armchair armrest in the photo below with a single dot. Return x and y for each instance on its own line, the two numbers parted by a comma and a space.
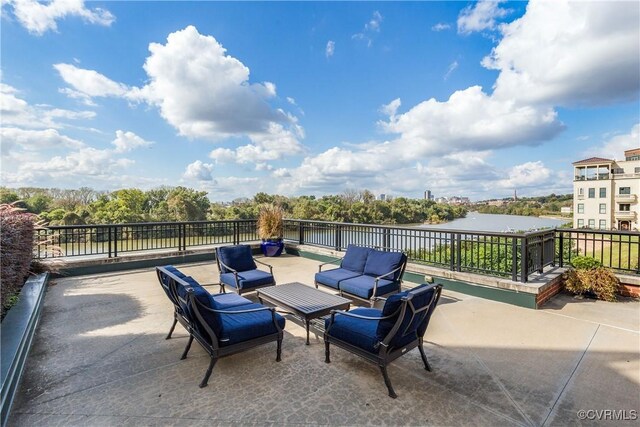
328, 262
227, 267
375, 283
266, 265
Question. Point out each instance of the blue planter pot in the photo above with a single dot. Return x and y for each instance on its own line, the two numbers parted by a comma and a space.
272, 247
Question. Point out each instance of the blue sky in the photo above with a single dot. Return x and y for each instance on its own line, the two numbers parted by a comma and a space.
463, 98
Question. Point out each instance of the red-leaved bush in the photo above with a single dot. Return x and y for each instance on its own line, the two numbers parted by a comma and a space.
16, 249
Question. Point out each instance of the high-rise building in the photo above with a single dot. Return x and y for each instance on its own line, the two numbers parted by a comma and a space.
605, 192
428, 195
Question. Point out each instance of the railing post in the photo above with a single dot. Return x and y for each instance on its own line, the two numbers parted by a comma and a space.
524, 260
514, 259
452, 251
301, 233
236, 233
386, 239
459, 252
338, 238
541, 258
109, 240
115, 241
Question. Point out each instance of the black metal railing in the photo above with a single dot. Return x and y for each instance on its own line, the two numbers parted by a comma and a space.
618, 250
510, 255
114, 239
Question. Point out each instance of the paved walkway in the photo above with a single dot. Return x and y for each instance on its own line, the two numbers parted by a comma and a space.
100, 358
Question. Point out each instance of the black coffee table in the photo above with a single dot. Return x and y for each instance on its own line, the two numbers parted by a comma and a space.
303, 301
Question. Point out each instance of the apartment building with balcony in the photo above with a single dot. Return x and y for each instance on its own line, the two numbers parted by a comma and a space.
605, 192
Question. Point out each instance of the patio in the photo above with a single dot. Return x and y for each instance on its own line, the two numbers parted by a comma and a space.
100, 358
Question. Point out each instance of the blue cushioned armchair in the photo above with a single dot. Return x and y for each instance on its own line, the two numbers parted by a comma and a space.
381, 336
223, 324
238, 269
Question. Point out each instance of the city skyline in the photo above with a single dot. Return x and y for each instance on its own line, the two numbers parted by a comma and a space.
314, 98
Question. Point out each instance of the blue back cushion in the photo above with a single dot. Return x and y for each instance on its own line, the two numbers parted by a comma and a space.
410, 328
237, 257
382, 262
355, 258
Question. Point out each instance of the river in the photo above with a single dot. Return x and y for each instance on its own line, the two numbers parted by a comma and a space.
493, 222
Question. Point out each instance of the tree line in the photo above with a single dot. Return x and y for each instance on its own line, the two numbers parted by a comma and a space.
131, 205
529, 206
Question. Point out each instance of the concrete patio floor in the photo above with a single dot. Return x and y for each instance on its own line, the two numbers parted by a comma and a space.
100, 358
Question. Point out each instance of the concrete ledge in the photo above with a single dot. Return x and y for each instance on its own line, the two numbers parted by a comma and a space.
78, 266
16, 334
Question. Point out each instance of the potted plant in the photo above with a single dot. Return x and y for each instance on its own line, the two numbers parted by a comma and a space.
270, 229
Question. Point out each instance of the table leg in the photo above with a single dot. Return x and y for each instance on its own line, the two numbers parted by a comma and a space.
306, 321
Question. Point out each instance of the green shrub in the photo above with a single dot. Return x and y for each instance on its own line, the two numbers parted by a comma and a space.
599, 281
585, 262
16, 250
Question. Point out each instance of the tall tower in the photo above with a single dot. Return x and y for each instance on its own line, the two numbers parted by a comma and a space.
427, 195
515, 195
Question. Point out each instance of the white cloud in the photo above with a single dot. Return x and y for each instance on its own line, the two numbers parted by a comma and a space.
29, 140
38, 17
15, 111
291, 100
440, 26
89, 83
529, 174
568, 53
370, 28
330, 49
480, 16
127, 141
470, 120
374, 22
452, 67
615, 147
199, 171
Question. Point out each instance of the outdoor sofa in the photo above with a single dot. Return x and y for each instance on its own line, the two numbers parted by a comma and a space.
365, 274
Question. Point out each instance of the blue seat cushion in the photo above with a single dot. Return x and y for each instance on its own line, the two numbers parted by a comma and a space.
355, 258
362, 286
201, 294
236, 328
224, 301
165, 278
333, 277
237, 257
248, 279
359, 332
382, 262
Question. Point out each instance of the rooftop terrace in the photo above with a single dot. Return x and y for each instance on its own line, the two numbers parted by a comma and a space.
100, 358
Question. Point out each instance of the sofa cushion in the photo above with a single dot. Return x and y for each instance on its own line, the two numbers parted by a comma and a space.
333, 277
237, 328
237, 257
359, 332
382, 262
362, 286
248, 279
355, 258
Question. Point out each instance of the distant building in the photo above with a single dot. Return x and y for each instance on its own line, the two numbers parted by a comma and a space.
382, 197
442, 200
605, 192
428, 195
566, 210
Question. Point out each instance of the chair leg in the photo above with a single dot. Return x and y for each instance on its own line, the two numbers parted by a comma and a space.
207, 374
175, 320
327, 352
222, 288
424, 358
186, 349
387, 382
279, 350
